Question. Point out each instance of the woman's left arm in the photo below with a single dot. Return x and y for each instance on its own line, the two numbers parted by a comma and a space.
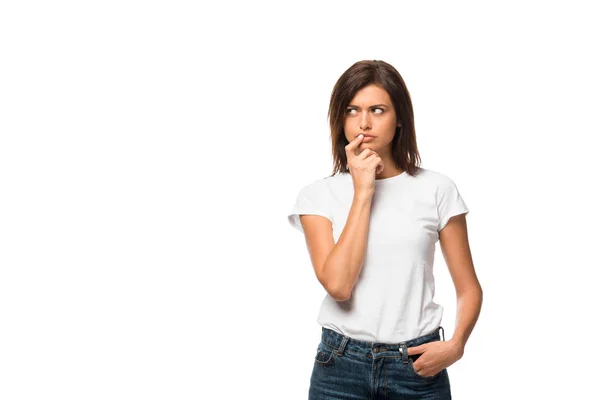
439, 354
454, 243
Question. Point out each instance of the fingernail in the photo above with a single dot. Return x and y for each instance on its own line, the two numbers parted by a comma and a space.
360, 136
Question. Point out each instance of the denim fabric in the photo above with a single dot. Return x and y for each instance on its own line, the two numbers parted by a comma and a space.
346, 368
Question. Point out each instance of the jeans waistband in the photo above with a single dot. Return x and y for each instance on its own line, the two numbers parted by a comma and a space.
342, 342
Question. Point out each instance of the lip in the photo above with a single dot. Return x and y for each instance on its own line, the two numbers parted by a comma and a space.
365, 135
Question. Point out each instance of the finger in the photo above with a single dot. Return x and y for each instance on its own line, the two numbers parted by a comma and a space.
365, 154
372, 161
351, 147
419, 366
426, 373
375, 163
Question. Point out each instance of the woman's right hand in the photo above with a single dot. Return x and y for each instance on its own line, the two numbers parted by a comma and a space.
363, 166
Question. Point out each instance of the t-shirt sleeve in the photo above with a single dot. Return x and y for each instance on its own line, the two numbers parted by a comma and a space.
310, 200
449, 202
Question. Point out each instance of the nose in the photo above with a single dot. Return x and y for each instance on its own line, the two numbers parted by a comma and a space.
365, 122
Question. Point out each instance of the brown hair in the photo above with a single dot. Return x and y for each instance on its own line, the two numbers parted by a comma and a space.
361, 74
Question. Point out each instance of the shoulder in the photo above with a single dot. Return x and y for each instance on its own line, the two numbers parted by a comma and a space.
437, 184
327, 183
317, 188
436, 178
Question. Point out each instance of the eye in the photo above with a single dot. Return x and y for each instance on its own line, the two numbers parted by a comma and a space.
349, 110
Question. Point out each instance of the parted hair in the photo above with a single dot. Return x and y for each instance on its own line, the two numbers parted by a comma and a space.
359, 75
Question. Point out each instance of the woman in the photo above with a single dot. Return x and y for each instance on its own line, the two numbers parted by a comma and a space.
371, 229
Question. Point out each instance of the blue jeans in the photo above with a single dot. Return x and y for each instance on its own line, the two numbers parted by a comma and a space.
347, 368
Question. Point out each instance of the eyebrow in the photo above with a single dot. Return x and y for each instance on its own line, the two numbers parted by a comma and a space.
376, 105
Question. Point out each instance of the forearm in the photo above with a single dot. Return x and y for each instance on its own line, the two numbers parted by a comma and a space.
344, 263
468, 306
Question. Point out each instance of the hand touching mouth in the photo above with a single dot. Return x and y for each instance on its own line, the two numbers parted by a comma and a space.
367, 137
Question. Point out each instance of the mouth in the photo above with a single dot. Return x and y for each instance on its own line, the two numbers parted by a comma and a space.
366, 135
367, 139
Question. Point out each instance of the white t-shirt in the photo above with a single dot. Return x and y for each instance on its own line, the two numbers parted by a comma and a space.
392, 300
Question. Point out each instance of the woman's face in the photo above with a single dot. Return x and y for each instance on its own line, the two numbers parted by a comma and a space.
371, 112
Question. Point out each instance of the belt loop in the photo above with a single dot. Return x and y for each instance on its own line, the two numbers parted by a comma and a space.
340, 350
442, 328
404, 351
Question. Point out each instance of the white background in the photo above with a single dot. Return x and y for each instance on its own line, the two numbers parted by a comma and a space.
150, 153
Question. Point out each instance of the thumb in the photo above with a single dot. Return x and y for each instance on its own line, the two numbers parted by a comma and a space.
416, 350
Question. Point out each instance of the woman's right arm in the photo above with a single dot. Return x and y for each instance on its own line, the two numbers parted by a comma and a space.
344, 260
338, 265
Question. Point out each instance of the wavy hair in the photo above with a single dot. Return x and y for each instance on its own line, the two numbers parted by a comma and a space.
361, 74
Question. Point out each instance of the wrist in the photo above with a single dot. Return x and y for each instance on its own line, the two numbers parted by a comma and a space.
459, 347
364, 195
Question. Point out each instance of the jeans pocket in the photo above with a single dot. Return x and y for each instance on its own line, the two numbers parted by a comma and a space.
412, 369
325, 355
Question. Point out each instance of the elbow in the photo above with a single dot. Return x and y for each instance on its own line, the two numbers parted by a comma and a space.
338, 293
475, 290
336, 288
469, 289
340, 296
